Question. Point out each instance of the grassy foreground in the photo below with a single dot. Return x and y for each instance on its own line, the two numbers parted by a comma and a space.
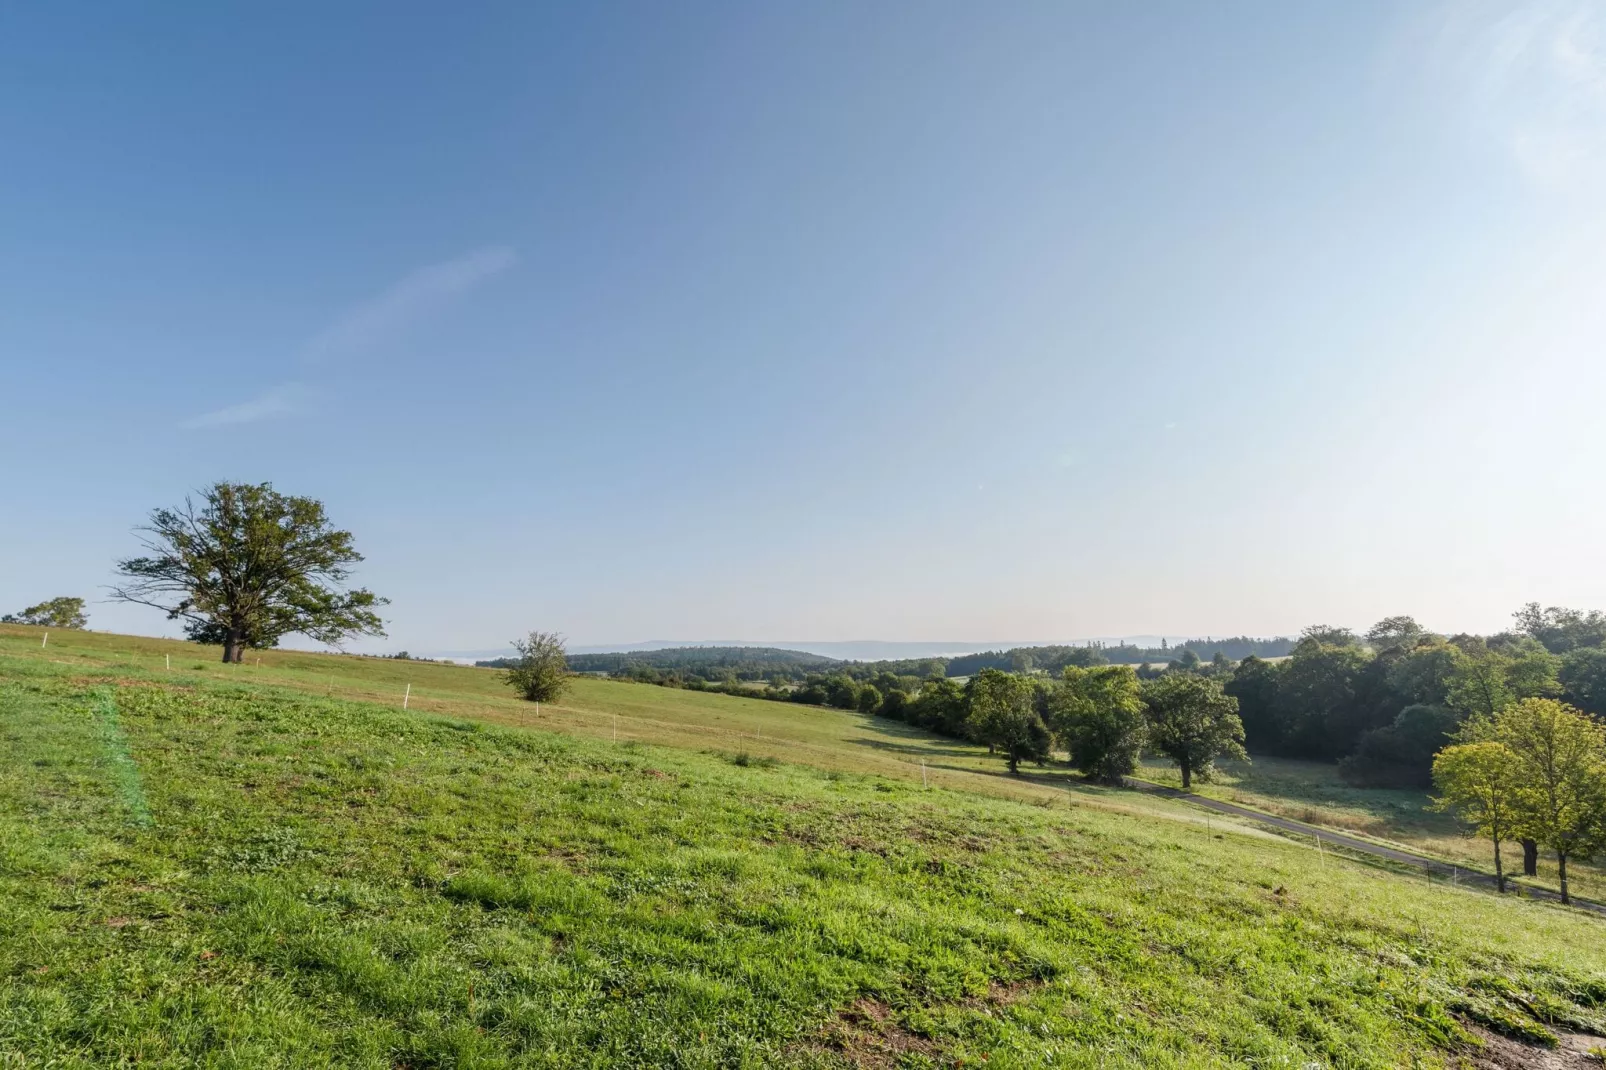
204, 867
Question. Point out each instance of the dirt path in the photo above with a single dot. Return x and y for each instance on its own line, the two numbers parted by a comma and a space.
1459, 874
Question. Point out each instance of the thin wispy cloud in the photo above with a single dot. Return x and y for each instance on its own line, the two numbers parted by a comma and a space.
369, 324
285, 400
420, 293
1531, 76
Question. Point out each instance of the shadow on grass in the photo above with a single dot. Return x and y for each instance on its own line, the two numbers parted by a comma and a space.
921, 750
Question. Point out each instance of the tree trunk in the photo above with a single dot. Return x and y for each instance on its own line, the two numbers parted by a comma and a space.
1561, 872
233, 647
1014, 764
1530, 858
1499, 873
1187, 774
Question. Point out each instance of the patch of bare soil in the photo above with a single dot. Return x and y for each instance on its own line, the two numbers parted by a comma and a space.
1503, 1053
868, 1035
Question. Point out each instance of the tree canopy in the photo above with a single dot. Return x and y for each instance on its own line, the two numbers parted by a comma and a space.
1480, 781
1098, 714
541, 671
65, 613
1003, 714
1193, 722
1558, 775
247, 566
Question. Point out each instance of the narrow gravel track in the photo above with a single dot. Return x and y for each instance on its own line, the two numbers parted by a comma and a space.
1460, 874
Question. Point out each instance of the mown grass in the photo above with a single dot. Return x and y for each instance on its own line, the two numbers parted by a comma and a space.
1314, 792
205, 869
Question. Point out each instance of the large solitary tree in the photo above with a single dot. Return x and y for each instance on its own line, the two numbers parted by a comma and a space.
246, 566
1193, 722
541, 671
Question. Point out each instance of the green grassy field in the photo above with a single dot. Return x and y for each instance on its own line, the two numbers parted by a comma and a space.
1313, 792
275, 865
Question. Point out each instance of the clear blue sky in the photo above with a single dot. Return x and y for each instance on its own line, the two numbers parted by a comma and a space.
826, 321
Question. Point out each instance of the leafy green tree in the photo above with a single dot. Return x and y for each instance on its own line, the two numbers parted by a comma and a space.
541, 671
895, 705
1254, 684
1533, 672
1327, 635
1561, 630
1560, 757
65, 613
1003, 715
1583, 679
1485, 681
1480, 782
1422, 675
248, 566
1193, 722
1395, 633
1482, 681
1319, 691
1098, 714
940, 706
1478, 684
869, 699
842, 692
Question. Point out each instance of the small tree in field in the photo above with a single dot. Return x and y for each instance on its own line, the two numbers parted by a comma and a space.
1560, 767
541, 673
1193, 722
1098, 714
1479, 782
1003, 715
248, 566
66, 613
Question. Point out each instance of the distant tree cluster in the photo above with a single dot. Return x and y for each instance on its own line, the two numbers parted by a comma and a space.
66, 613
1104, 716
1384, 703
1054, 659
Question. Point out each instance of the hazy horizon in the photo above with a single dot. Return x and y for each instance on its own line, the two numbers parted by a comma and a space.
832, 320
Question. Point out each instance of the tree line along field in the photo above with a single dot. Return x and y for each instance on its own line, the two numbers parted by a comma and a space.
275, 865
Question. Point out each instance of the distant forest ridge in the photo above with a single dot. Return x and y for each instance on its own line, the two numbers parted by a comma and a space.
714, 663
1055, 658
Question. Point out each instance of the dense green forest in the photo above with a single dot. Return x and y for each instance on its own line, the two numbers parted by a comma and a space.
1382, 704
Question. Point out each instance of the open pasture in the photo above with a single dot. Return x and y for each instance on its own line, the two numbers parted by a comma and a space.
278, 866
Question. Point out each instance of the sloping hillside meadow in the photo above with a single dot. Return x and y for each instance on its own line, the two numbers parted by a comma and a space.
276, 865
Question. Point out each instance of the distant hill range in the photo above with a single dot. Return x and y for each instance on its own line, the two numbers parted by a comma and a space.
724, 661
